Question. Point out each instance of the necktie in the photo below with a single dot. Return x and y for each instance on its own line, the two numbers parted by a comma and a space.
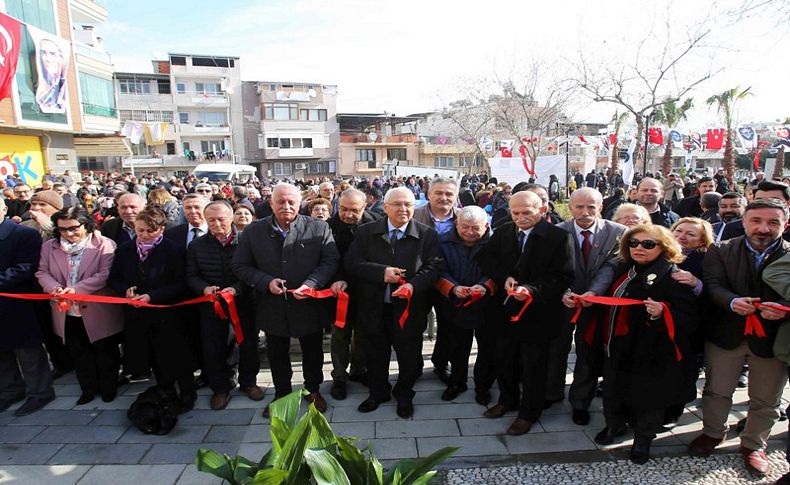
522, 239
586, 247
394, 236
195, 234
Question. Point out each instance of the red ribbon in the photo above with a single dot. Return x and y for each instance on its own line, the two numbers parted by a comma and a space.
406, 293
753, 324
341, 310
520, 291
613, 301
473, 298
64, 301
523, 151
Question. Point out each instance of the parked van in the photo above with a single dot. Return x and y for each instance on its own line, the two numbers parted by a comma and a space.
224, 171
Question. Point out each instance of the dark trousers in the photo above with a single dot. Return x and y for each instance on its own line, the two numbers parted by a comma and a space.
442, 347
59, 354
96, 364
558, 362
219, 344
278, 351
346, 348
587, 370
522, 364
645, 422
460, 345
25, 371
408, 349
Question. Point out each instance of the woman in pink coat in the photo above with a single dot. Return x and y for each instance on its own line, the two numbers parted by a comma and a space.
78, 260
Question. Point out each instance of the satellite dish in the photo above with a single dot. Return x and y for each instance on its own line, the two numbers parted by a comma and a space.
311, 93
372, 136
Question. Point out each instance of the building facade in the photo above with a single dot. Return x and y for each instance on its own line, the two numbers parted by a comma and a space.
63, 94
374, 144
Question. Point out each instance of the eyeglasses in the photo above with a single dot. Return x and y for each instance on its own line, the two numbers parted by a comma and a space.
21, 191
69, 229
204, 191
647, 243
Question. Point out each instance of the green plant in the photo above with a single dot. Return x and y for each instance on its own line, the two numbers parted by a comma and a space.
305, 451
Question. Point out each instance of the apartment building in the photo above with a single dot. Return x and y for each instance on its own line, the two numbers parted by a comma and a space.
372, 144
63, 97
199, 98
299, 132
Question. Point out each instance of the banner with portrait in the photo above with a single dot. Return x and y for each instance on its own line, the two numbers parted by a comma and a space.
52, 62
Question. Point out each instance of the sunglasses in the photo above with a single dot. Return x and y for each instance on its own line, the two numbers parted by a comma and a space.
68, 229
647, 243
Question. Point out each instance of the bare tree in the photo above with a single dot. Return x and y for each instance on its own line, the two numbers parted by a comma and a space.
618, 119
660, 71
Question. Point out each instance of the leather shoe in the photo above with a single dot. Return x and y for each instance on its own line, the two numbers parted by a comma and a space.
318, 401
405, 410
220, 400
640, 453
442, 373
7, 403
265, 412
520, 426
200, 381
255, 393
703, 445
496, 411
482, 396
547, 403
57, 373
338, 390
368, 405
33, 404
109, 396
85, 398
606, 436
581, 417
360, 378
452, 392
756, 462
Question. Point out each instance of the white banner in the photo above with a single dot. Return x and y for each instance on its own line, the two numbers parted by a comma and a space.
628, 163
52, 62
512, 171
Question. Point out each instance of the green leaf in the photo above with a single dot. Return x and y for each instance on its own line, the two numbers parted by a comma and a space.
243, 469
423, 480
353, 461
267, 460
290, 458
209, 461
287, 408
279, 431
270, 476
425, 465
321, 435
326, 469
376, 469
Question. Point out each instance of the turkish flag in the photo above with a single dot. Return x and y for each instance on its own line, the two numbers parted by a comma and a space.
715, 139
612, 138
756, 161
655, 136
506, 152
10, 39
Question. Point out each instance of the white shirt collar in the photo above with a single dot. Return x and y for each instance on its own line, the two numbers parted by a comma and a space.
593, 229
390, 227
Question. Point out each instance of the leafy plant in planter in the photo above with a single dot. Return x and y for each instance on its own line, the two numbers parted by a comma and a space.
306, 451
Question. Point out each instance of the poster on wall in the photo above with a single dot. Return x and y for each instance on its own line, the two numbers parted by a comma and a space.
512, 171
22, 155
52, 62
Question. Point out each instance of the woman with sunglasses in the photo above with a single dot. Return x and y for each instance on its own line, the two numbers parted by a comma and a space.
642, 373
152, 269
78, 260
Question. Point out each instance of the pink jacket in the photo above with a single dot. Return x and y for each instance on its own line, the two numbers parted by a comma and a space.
101, 320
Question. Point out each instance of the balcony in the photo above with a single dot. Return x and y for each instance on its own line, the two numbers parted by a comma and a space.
88, 12
275, 153
207, 100
162, 161
92, 109
202, 130
386, 139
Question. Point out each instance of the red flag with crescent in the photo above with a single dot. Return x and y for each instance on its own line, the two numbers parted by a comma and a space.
10, 39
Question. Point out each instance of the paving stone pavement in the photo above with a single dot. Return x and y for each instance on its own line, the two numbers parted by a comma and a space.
95, 443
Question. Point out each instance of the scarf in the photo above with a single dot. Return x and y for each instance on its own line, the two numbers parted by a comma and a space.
143, 250
74, 252
229, 239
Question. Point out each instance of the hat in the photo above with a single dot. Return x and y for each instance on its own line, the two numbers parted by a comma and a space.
246, 204
48, 197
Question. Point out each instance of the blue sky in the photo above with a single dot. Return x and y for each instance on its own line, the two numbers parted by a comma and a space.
406, 56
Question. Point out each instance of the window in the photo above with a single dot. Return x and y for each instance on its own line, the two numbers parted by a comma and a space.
466, 161
171, 148
89, 163
315, 167
444, 161
366, 155
272, 143
181, 88
98, 96
178, 60
211, 118
145, 115
283, 168
186, 146
212, 62
208, 88
183, 118
280, 112
130, 86
396, 154
163, 86
312, 114
296, 143
211, 145
307, 143
285, 143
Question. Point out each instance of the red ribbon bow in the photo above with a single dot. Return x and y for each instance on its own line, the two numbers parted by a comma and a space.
474, 297
520, 291
405, 292
341, 310
613, 301
753, 324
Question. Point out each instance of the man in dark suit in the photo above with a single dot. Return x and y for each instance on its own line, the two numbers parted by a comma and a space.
24, 368
121, 229
649, 192
288, 251
544, 269
395, 258
733, 281
690, 206
765, 190
375, 202
595, 242
731, 208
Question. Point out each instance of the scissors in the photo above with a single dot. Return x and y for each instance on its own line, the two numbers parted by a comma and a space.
285, 290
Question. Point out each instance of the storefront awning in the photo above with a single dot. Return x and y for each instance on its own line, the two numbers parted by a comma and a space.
101, 146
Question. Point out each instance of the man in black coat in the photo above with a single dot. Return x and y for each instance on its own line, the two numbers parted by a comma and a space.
121, 229
765, 190
20, 334
346, 345
544, 269
690, 206
649, 192
209, 271
394, 257
288, 251
747, 321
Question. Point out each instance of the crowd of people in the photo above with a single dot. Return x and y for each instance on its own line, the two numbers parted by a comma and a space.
653, 285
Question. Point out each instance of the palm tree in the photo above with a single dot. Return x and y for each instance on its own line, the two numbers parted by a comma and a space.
618, 119
725, 103
670, 114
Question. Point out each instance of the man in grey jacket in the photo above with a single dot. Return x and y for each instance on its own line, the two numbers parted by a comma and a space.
283, 257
